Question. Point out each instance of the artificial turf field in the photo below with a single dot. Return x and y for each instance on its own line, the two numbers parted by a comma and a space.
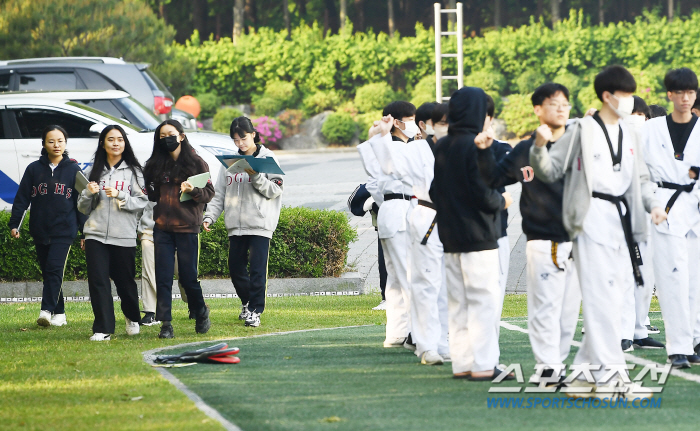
55, 378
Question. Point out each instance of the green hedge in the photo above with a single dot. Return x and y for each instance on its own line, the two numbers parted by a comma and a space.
307, 243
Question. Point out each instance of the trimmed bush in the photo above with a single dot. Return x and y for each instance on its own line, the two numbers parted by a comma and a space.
491, 81
290, 121
339, 128
321, 101
278, 95
528, 81
518, 114
365, 121
307, 243
424, 91
223, 119
209, 102
372, 97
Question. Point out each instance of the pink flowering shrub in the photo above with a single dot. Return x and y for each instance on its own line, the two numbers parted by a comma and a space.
268, 129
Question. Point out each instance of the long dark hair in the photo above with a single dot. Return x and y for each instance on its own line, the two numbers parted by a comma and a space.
46, 131
242, 125
100, 162
161, 163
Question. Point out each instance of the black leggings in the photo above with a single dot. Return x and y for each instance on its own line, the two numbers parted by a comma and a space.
52, 261
118, 263
251, 288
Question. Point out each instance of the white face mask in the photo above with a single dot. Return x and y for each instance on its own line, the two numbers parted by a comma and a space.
429, 130
440, 131
410, 129
635, 121
625, 106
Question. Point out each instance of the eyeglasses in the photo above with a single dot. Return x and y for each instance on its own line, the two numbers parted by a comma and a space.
558, 106
684, 92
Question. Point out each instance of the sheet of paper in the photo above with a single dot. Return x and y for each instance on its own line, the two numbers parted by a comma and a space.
198, 181
238, 167
81, 181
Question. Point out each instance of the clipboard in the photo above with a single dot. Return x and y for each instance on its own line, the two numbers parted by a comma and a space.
265, 165
81, 181
198, 181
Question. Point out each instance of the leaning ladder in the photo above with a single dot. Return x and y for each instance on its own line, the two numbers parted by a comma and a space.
459, 55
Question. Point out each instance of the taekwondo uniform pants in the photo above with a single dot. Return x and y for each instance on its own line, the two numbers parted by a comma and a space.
503, 266
676, 270
398, 296
553, 301
473, 297
429, 314
635, 310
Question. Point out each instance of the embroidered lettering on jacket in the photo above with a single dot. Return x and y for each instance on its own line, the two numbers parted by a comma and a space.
528, 174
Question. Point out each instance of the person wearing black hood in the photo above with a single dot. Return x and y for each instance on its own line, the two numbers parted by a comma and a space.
49, 186
467, 213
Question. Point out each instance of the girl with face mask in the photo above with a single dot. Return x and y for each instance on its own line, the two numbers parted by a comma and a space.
177, 223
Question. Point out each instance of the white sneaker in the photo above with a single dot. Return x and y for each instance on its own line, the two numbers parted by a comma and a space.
381, 306
446, 357
245, 313
253, 319
98, 336
396, 342
634, 391
431, 358
132, 328
58, 320
44, 318
580, 389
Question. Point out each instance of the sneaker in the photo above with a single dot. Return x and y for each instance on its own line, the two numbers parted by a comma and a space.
253, 319
583, 329
678, 361
202, 323
409, 344
98, 336
648, 343
396, 342
58, 320
44, 318
431, 358
244, 312
166, 331
627, 346
697, 349
446, 357
132, 328
580, 389
149, 319
381, 306
632, 391
652, 329
693, 359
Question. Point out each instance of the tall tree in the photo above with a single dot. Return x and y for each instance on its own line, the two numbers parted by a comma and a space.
360, 12
330, 16
199, 17
601, 12
343, 12
556, 16
238, 19
497, 18
540, 9
670, 10
251, 11
390, 10
287, 23
301, 7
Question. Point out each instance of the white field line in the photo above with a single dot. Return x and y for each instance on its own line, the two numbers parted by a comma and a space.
629, 358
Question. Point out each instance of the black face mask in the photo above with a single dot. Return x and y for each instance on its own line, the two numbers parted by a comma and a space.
170, 143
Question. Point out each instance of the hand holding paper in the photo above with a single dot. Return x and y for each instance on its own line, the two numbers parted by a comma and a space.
198, 181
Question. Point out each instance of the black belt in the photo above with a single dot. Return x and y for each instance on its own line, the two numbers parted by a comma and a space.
626, 219
678, 188
392, 196
430, 205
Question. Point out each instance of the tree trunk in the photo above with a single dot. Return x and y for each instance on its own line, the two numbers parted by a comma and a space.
252, 11
540, 9
390, 9
670, 10
360, 11
331, 16
556, 16
497, 18
301, 7
238, 19
199, 18
343, 12
601, 12
452, 18
287, 23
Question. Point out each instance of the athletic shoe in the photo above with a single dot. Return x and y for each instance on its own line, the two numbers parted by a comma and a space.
396, 342
381, 306
583, 329
693, 359
652, 329
632, 391
580, 389
446, 357
132, 328
409, 344
627, 346
678, 361
253, 319
149, 319
697, 349
202, 323
98, 336
58, 320
648, 343
244, 312
431, 358
166, 331
44, 318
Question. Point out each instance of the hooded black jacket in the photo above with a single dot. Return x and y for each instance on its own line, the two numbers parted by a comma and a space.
55, 217
467, 210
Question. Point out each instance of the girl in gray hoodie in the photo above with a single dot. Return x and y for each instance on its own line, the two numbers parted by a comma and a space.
252, 204
113, 200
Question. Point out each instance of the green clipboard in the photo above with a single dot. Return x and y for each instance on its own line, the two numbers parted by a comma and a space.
198, 181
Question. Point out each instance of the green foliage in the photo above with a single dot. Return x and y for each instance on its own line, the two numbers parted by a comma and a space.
339, 128
587, 99
320, 101
175, 70
490, 81
307, 243
365, 121
209, 102
278, 95
528, 81
518, 114
424, 91
372, 97
574, 84
290, 121
223, 119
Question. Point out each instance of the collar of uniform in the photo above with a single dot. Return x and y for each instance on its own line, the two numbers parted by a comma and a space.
397, 139
255, 154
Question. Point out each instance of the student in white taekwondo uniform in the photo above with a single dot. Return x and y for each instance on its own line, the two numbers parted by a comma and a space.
428, 307
606, 192
393, 195
672, 150
553, 294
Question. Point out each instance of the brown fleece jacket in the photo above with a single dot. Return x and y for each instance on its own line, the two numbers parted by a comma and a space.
171, 215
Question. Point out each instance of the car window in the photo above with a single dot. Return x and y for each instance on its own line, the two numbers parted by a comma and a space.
114, 120
4, 82
32, 121
2, 126
153, 81
95, 81
48, 81
106, 106
137, 113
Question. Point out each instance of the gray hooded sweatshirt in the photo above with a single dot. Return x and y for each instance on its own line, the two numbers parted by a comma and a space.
113, 221
252, 204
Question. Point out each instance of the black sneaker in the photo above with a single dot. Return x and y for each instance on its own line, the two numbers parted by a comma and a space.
627, 346
202, 323
652, 329
678, 361
697, 349
244, 312
149, 319
409, 344
166, 331
648, 343
693, 359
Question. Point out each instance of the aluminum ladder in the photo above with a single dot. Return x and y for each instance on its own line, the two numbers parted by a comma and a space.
459, 55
